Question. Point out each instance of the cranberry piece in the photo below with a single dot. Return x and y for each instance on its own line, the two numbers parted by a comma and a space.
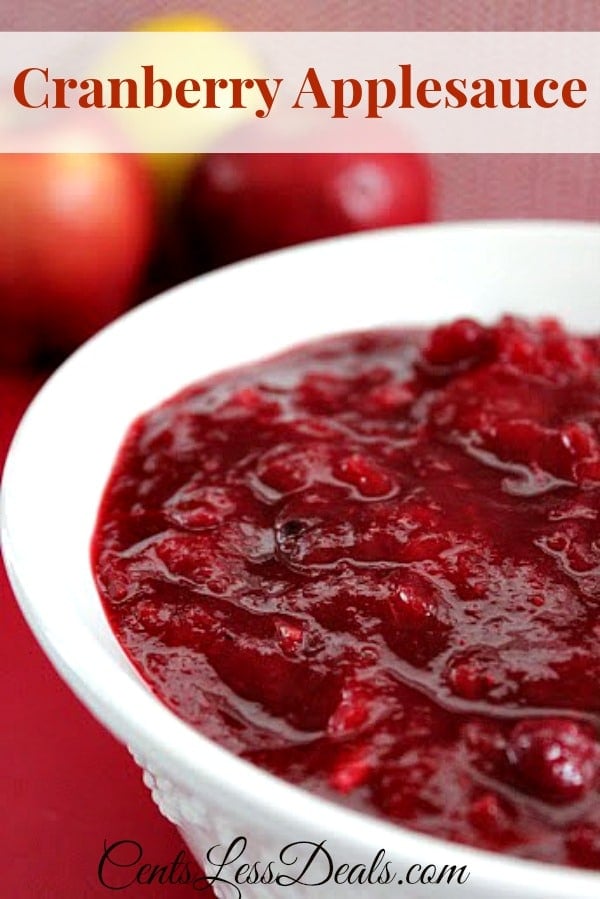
290, 635
556, 759
322, 392
390, 398
468, 680
368, 478
490, 815
352, 712
153, 616
287, 469
196, 507
351, 770
284, 473
412, 603
250, 402
461, 343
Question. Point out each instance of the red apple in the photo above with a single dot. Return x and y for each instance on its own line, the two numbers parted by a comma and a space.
240, 205
75, 233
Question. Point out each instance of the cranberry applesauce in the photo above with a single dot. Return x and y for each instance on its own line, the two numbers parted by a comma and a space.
371, 565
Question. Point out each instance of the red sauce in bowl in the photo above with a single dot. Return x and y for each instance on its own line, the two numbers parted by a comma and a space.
372, 566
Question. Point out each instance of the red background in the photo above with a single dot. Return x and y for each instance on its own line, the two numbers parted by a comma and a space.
65, 784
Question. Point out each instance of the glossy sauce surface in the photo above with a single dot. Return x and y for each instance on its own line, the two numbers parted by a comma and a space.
372, 566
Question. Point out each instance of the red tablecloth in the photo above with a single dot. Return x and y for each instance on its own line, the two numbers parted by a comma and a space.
66, 785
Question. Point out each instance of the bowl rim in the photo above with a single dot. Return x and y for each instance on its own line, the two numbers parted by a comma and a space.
138, 717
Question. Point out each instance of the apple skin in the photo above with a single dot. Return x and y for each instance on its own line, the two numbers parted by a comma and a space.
75, 234
239, 205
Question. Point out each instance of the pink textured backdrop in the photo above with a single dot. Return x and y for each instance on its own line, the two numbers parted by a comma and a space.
468, 186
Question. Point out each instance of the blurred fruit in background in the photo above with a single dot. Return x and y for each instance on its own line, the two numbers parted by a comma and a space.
238, 205
75, 235
82, 236
85, 235
229, 54
171, 169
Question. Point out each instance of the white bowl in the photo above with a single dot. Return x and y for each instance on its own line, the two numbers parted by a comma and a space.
63, 451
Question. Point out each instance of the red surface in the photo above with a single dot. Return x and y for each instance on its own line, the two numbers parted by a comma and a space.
65, 784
